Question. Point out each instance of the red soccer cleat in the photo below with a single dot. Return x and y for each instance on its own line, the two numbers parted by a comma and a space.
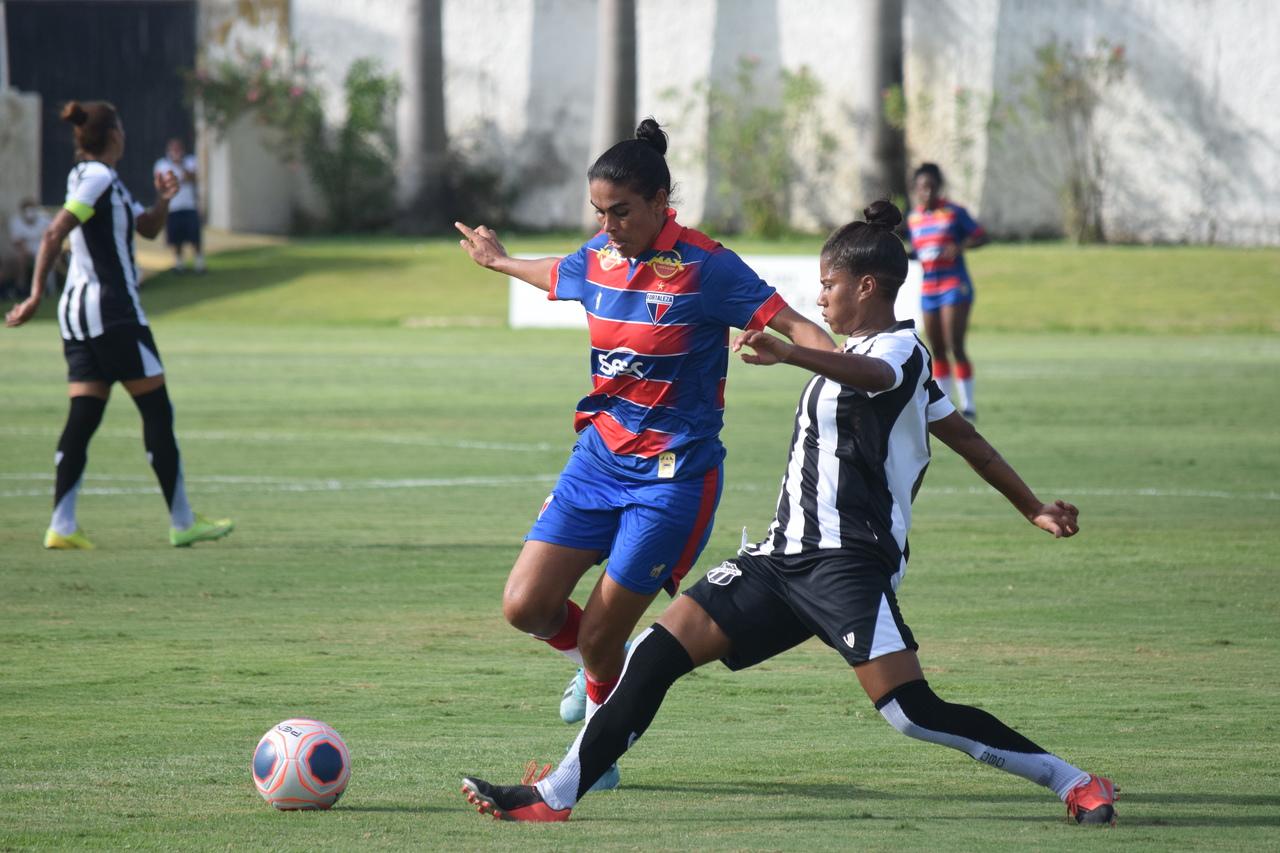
510, 802
1093, 801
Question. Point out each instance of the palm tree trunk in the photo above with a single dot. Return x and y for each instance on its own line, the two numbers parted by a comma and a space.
615, 101
423, 146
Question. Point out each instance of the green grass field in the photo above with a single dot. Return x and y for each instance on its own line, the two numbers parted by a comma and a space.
382, 478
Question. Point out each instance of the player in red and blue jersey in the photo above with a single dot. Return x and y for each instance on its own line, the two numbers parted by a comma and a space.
643, 481
940, 231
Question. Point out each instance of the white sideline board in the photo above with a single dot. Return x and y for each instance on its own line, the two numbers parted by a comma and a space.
794, 276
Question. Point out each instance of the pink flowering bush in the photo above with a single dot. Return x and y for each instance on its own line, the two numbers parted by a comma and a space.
280, 94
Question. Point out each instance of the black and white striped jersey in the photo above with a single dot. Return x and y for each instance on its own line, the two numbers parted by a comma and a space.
102, 282
857, 458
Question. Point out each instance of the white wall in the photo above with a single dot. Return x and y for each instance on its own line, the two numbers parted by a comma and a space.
1190, 134
1189, 139
19, 154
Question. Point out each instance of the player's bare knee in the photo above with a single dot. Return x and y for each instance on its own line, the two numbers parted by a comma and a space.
532, 615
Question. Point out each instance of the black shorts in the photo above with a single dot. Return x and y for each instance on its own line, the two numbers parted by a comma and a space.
182, 226
120, 353
767, 605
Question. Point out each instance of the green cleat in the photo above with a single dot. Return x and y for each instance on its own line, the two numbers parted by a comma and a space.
203, 530
55, 541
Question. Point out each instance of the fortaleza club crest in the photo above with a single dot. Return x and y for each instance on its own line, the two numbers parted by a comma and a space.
658, 303
666, 264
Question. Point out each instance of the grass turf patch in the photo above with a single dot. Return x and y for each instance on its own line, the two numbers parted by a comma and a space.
383, 478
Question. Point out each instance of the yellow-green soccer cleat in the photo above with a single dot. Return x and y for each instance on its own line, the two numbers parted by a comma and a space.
55, 541
204, 530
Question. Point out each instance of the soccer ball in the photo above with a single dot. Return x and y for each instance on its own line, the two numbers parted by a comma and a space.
301, 764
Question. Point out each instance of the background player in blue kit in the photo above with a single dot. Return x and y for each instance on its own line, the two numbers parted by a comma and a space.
642, 484
105, 334
832, 559
940, 232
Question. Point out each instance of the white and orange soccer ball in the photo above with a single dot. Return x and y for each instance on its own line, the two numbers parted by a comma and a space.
301, 764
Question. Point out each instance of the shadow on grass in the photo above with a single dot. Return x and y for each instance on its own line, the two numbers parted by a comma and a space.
242, 270
1190, 805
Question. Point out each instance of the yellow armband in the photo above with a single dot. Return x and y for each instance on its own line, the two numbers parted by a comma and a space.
79, 210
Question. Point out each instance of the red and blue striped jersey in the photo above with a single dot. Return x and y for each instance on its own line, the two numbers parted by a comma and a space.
930, 232
659, 326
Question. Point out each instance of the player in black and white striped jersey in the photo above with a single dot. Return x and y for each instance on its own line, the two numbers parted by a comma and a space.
835, 552
106, 338
860, 495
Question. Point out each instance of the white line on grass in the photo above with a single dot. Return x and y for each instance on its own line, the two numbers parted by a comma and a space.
211, 485
255, 483
297, 437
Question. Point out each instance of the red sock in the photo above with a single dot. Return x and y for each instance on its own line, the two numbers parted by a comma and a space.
942, 368
598, 691
964, 370
566, 638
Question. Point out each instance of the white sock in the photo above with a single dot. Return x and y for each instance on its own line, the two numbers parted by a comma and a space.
181, 516
966, 394
944, 382
64, 514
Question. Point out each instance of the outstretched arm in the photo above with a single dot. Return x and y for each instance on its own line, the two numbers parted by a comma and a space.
801, 329
847, 368
151, 220
485, 249
1059, 518
50, 245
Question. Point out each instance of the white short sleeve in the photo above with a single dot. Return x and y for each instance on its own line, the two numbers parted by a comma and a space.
893, 350
85, 185
940, 405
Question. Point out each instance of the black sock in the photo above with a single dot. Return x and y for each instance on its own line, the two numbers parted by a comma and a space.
656, 661
917, 712
73, 454
162, 451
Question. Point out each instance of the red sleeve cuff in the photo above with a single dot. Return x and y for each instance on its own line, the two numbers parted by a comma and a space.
766, 312
555, 279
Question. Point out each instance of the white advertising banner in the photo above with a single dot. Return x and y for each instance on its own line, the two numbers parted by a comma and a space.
795, 277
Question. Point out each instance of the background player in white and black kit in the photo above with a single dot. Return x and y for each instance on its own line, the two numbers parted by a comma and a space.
182, 225
836, 550
105, 334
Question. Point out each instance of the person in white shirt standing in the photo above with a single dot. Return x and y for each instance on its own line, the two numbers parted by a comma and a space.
182, 227
26, 227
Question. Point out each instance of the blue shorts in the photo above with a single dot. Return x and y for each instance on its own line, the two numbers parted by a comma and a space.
651, 531
182, 227
952, 296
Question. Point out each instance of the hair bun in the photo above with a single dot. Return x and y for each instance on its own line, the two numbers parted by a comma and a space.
74, 113
651, 132
883, 214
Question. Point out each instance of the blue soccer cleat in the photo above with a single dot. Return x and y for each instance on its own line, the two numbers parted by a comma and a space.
608, 781
573, 704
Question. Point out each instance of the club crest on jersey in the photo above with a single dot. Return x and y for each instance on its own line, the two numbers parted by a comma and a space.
666, 264
609, 257
723, 574
658, 303
620, 362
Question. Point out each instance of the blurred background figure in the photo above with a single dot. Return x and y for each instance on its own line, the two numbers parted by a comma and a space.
26, 227
940, 231
183, 224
